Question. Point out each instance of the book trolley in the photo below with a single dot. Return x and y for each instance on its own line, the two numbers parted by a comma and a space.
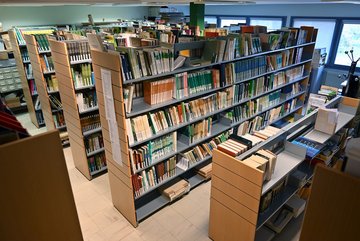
110, 84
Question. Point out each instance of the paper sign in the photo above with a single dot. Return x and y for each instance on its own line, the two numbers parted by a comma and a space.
110, 115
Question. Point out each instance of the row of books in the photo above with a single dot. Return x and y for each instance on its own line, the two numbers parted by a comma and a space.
32, 86
55, 102
59, 119
144, 156
78, 50
200, 152
25, 55
47, 63
153, 176
248, 43
97, 162
137, 63
156, 92
42, 42
37, 104
291, 89
252, 107
285, 108
191, 83
86, 100
93, 142
197, 131
245, 69
272, 194
83, 75
90, 122
145, 126
52, 83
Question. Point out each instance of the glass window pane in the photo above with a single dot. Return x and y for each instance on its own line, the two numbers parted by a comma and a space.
210, 20
228, 21
325, 28
271, 23
350, 39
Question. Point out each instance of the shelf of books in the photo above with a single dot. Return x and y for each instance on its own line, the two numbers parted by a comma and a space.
46, 83
73, 69
161, 123
270, 168
26, 73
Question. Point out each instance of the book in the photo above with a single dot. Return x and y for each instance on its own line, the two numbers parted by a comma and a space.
176, 190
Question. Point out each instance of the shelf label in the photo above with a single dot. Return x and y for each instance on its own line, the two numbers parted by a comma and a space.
110, 115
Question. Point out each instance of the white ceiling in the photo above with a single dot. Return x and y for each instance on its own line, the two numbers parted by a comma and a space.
160, 2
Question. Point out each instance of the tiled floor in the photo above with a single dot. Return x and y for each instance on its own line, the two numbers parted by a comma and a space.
187, 219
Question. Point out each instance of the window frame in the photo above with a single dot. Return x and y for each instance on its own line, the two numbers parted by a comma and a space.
339, 24
247, 17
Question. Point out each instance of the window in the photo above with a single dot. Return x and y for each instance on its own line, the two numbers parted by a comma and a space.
350, 39
325, 28
210, 20
227, 21
271, 23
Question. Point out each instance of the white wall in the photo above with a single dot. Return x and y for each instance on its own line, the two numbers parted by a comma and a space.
24, 16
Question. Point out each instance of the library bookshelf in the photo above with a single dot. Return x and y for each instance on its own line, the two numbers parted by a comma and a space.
27, 81
43, 88
235, 210
108, 73
73, 115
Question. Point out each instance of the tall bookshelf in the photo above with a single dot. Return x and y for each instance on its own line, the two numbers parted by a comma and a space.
85, 160
107, 71
27, 81
44, 90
